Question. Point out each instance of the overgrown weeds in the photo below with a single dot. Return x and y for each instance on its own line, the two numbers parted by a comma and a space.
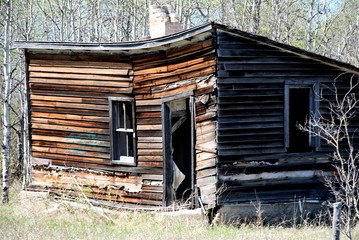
47, 219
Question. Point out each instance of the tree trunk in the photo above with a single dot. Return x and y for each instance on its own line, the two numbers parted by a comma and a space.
337, 207
6, 108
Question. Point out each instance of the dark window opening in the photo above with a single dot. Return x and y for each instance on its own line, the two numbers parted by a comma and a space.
299, 111
122, 131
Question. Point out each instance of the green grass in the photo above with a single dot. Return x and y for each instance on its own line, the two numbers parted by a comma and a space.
50, 220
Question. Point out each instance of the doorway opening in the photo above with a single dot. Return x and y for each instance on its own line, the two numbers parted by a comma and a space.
178, 142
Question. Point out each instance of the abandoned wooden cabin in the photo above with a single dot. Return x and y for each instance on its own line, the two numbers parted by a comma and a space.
206, 115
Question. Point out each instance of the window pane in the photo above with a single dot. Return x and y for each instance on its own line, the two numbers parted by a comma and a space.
122, 135
128, 117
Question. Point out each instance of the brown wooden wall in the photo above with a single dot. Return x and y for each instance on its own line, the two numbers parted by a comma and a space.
191, 67
69, 123
69, 120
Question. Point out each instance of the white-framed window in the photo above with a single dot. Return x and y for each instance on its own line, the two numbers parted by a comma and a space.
301, 103
123, 150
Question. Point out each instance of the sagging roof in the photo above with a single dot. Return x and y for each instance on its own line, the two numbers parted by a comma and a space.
181, 38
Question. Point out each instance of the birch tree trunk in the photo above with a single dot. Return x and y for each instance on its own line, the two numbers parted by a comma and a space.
6, 105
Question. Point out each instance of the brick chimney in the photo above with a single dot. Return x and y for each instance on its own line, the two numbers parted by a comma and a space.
163, 21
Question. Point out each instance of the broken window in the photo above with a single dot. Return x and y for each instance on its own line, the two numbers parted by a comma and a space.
300, 104
122, 131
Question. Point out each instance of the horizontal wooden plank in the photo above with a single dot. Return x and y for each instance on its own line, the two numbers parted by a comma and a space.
80, 82
69, 99
70, 128
208, 163
88, 70
70, 117
95, 64
81, 160
70, 123
149, 127
148, 102
149, 145
200, 156
69, 152
149, 152
61, 87
69, 105
72, 93
155, 158
78, 56
81, 76
71, 111
149, 139
150, 164
72, 138
78, 146
206, 138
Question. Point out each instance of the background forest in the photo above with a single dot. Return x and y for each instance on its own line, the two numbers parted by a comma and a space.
327, 27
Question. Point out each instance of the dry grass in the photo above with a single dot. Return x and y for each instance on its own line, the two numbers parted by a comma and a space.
63, 220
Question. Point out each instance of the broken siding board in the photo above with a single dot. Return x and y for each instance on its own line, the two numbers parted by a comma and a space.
180, 74
172, 67
166, 92
106, 167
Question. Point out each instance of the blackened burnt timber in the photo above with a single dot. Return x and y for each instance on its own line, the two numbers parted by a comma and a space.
211, 105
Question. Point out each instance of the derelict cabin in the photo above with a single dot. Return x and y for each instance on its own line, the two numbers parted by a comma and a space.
206, 116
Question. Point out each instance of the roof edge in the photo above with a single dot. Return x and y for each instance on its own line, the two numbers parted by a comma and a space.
119, 46
289, 48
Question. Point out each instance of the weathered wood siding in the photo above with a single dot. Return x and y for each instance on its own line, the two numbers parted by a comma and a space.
252, 158
70, 120
190, 67
69, 124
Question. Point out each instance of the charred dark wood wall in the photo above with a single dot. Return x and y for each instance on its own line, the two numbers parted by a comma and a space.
253, 160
